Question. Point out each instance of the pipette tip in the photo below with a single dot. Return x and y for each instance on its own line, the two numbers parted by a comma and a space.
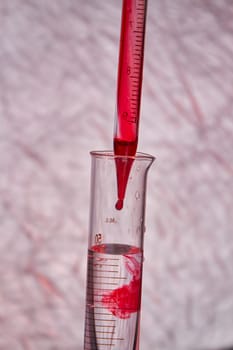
119, 204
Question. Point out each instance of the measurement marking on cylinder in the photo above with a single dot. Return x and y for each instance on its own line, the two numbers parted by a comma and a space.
108, 283
112, 277
88, 336
104, 320
104, 276
100, 344
97, 260
104, 314
100, 291
106, 259
106, 338
108, 333
103, 326
106, 326
100, 265
97, 294
102, 270
100, 331
99, 319
111, 271
91, 288
102, 338
96, 273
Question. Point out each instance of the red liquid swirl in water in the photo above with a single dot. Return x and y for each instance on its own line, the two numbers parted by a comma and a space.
123, 301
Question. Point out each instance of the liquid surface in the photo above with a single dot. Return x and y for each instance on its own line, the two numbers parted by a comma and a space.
113, 297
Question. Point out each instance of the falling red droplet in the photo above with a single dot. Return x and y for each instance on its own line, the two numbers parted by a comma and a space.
119, 204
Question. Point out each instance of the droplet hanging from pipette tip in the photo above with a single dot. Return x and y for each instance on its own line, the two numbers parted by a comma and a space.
119, 204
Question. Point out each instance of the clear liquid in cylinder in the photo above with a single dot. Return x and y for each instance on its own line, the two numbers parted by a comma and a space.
113, 297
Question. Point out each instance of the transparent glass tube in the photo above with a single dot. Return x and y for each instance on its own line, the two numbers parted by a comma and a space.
115, 254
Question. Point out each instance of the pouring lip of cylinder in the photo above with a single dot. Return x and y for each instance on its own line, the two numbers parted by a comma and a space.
112, 155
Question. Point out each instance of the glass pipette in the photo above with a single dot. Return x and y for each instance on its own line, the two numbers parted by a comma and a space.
129, 85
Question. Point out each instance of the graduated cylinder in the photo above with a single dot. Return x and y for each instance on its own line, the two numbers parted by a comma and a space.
115, 254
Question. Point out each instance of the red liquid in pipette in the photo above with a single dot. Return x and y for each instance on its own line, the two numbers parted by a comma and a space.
123, 167
129, 90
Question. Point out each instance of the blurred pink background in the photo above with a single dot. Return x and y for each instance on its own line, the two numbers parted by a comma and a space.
58, 67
